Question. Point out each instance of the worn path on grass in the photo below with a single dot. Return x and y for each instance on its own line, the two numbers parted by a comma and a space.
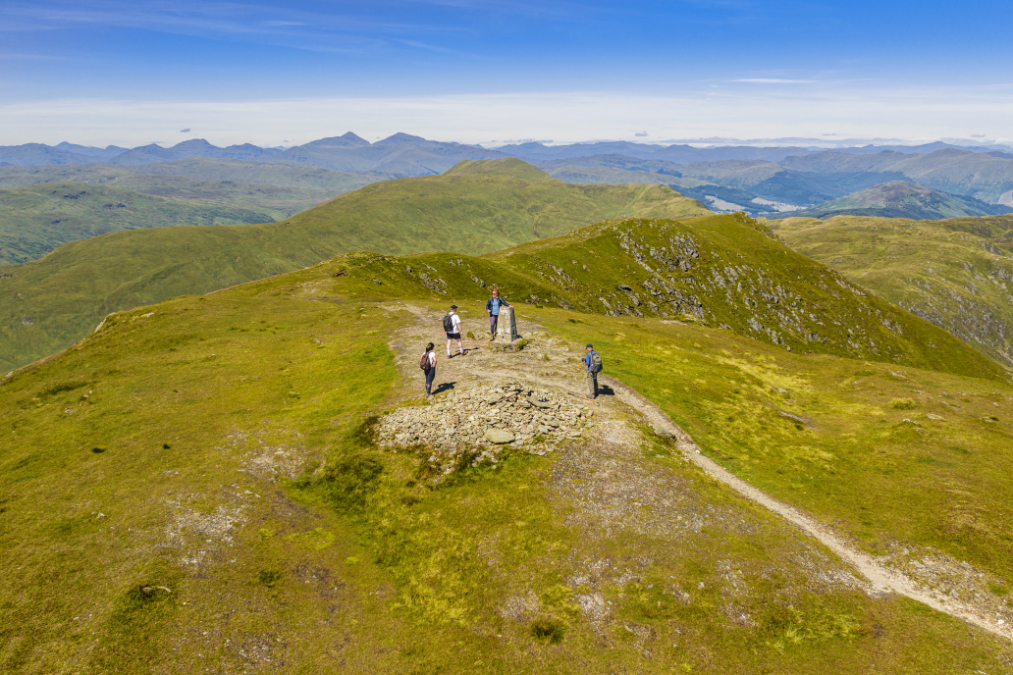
563, 372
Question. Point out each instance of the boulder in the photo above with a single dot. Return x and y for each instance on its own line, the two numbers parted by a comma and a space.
498, 436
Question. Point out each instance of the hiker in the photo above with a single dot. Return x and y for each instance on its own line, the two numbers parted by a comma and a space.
592, 360
452, 327
495, 302
428, 366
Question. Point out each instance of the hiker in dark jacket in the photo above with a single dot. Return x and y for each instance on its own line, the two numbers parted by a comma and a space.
428, 365
592, 360
495, 302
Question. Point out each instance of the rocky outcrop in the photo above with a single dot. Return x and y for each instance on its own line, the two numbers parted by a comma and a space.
477, 424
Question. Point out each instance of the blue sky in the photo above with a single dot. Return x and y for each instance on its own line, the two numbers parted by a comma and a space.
272, 72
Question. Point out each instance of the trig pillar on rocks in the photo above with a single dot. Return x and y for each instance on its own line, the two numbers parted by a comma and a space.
506, 327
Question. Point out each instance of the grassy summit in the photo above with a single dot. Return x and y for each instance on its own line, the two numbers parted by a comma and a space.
195, 487
955, 273
477, 208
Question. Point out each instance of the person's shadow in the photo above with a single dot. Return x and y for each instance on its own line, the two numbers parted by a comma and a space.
444, 386
605, 390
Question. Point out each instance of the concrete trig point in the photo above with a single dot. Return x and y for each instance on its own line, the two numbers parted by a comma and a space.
506, 328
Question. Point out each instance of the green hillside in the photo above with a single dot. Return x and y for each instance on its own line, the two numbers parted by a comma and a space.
476, 208
37, 219
955, 273
196, 487
900, 199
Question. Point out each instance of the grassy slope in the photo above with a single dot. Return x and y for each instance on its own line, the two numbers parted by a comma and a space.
37, 219
50, 303
955, 273
203, 411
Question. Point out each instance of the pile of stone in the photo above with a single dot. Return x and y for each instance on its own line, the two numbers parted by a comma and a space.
486, 419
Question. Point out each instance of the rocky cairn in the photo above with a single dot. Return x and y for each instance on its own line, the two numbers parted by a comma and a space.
482, 421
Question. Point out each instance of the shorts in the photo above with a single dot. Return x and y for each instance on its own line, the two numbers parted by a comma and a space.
453, 336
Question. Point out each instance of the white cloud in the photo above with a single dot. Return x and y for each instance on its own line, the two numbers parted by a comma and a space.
772, 80
902, 113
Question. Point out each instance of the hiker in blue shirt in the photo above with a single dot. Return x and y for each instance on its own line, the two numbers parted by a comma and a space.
493, 306
592, 360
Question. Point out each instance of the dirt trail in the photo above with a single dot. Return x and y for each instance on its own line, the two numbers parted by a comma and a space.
554, 364
883, 579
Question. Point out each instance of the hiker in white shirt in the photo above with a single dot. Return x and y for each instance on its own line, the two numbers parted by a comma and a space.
452, 327
428, 365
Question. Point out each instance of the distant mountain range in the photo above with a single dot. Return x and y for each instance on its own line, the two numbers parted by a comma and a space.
763, 181
901, 199
399, 156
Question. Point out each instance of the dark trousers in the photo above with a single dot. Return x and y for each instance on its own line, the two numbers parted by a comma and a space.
430, 376
493, 321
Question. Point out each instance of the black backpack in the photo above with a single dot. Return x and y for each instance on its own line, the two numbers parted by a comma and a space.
448, 324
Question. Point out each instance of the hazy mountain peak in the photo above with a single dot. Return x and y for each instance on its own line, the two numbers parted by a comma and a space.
348, 140
193, 143
401, 138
